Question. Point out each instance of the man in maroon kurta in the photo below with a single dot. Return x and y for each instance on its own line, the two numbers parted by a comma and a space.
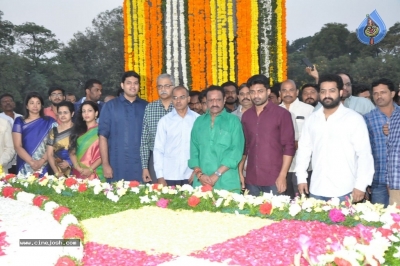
270, 141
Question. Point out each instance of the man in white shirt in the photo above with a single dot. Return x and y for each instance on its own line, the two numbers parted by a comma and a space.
172, 143
7, 152
244, 101
7, 105
337, 139
301, 111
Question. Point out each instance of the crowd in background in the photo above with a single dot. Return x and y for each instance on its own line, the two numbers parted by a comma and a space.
327, 139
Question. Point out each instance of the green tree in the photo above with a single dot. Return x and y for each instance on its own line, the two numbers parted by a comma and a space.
36, 42
96, 53
6, 37
329, 42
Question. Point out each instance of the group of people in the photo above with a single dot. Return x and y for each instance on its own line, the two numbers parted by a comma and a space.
318, 140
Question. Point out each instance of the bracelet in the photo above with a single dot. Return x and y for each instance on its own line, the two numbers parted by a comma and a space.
91, 169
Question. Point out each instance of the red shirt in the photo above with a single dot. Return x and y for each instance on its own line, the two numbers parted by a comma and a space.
49, 112
268, 136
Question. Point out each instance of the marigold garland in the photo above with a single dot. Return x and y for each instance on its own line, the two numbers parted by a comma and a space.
204, 42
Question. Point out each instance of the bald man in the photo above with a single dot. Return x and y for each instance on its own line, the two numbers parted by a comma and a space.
300, 111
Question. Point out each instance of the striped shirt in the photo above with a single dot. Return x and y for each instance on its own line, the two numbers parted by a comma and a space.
375, 120
393, 152
153, 113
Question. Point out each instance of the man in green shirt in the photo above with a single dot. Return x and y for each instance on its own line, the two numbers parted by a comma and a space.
216, 145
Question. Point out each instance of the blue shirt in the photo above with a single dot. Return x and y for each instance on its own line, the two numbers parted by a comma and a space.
393, 152
375, 120
121, 123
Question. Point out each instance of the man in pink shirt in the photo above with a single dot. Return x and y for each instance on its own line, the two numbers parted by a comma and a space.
56, 95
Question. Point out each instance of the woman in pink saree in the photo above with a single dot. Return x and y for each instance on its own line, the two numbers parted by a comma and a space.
84, 147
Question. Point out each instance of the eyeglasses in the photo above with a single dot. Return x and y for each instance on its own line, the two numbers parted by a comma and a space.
166, 86
56, 95
348, 84
182, 97
7, 101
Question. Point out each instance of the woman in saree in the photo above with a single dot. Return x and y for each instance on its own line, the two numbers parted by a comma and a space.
84, 147
30, 136
58, 140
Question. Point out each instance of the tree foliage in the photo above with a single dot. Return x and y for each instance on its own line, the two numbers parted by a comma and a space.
334, 48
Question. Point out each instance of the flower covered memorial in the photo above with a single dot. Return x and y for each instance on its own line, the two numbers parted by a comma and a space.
186, 223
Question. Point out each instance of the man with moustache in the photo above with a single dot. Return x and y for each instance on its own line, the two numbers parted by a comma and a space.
120, 129
244, 101
301, 111
216, 145
56, 95
336, 138
154, 112
309, 94
172, 143
7, 105
383, 91
231, 91
195, 104
270, 141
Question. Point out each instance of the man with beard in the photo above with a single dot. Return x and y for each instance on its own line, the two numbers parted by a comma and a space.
336, 138
216, 145
172, 143
358, 104
56, 95
231, 91
244, 100
383, 91
195, 104
309, 94
270, 146
301, 111
153, 113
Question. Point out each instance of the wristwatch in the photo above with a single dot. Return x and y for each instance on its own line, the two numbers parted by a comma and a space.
218, 173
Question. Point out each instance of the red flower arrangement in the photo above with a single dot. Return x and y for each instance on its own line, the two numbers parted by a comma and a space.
9, 192
9, 176
59, 212
155, 187
73, 231
69, 182
82, 187
206, 188
65, 261
193, 201
266, 208
39, 200
134, 184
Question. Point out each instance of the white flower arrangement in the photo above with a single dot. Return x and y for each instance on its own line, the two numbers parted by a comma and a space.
25, 197
50, 206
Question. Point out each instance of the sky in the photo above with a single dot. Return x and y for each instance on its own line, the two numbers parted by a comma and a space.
304, 17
